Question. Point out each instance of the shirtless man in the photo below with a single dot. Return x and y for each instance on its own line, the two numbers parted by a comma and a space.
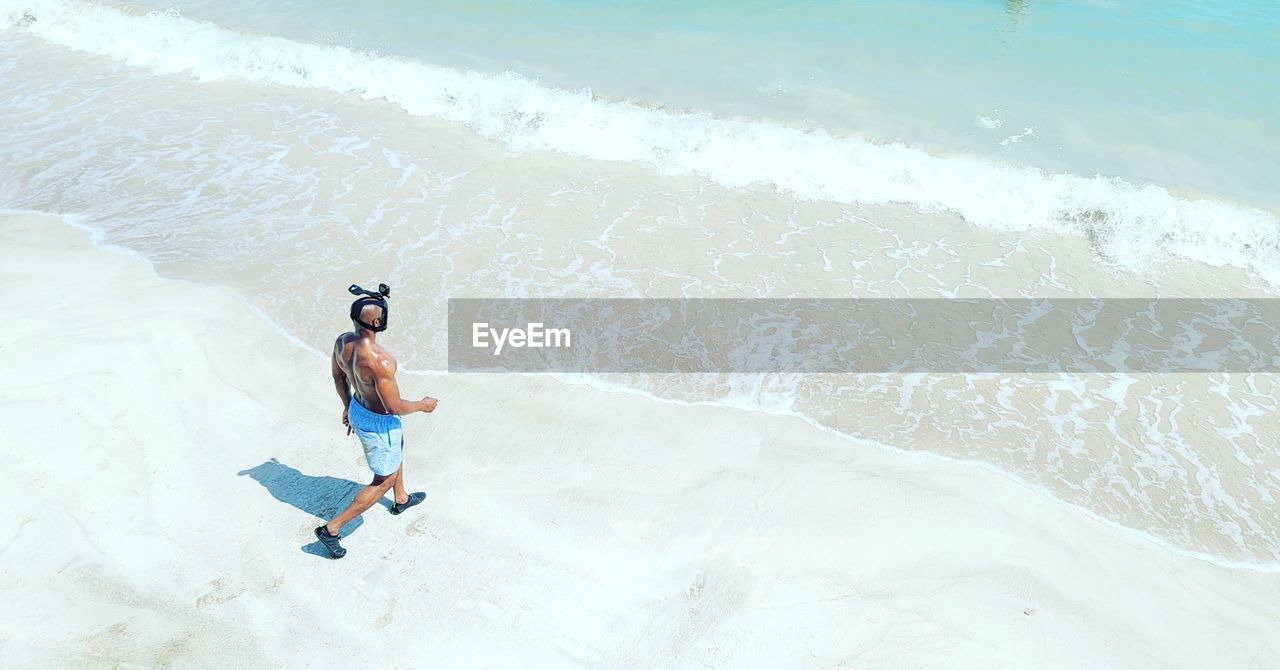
365, 377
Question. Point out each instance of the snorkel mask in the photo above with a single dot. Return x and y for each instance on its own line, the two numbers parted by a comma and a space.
368, 297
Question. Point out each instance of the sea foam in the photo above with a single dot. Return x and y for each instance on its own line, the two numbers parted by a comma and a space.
1131, 225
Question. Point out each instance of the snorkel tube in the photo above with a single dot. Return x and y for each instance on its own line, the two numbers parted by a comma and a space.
368, 297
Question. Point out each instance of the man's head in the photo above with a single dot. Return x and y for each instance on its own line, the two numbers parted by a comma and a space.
369, 314
369, 311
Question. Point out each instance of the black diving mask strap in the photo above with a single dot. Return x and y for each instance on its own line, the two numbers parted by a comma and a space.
359, 305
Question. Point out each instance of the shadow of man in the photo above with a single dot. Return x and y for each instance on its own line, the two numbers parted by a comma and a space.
322, 497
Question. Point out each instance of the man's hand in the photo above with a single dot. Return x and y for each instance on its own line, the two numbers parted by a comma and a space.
346, 422
429, 404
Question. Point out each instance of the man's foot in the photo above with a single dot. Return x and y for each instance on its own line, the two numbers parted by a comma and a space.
330, 542
414, 499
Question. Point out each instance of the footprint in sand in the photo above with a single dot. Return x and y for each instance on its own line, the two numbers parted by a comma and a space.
694, 591
220, 592
417, 527
388, 616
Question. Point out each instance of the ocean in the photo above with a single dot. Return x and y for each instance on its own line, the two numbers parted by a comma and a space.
712, 149
1181, 94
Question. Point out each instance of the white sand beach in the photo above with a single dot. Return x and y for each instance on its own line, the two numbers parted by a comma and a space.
168, 454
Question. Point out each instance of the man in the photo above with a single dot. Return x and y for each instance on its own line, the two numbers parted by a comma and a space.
365, 377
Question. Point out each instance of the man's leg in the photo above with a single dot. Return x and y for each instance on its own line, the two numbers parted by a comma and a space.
401, 496
363, 501
403, 500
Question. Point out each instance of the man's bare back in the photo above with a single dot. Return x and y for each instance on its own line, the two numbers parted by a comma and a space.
370, 372
360, 363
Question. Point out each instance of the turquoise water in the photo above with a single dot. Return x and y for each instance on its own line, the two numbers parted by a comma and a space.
1178, 93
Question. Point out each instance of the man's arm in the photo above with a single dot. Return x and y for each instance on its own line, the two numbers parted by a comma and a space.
385, 381
340, 383
339, 377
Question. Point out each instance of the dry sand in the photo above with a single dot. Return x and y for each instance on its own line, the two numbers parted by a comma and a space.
167, 454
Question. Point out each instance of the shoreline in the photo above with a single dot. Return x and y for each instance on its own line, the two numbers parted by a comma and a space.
553, 532
1268, 567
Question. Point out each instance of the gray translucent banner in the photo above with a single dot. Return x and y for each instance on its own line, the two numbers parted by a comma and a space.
849, 335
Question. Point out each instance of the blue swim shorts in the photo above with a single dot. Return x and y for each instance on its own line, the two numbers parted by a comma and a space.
381, 437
